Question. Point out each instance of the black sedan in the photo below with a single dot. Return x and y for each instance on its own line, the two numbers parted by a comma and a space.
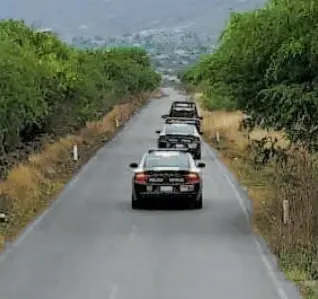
167, 174
180, 135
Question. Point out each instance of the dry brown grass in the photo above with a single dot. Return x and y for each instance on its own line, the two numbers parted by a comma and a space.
233, 148
30, 185
233, 145
227, 124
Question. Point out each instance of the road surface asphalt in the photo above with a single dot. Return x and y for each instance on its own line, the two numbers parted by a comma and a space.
91, 245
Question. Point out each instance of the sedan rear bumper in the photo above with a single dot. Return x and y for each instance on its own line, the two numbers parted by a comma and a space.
142, 194
192, 151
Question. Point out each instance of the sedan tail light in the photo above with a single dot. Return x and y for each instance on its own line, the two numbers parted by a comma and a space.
140, 178
193, 178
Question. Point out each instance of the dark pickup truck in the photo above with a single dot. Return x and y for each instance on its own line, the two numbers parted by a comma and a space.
183, 112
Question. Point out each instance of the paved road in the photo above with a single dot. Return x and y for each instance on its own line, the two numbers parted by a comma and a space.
91, 245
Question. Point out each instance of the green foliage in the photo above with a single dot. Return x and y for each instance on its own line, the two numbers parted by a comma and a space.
47, 86
266, 64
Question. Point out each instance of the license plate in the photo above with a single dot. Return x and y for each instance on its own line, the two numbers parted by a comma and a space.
156, 180
186, 188
179, 146
176, 180
166, 188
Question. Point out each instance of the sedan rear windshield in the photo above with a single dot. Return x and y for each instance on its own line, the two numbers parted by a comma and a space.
182, 111
187, 109
167, 160
175, 129
184, 105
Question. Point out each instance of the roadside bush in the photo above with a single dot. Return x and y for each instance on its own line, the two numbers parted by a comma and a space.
266, 65
49, 87
293, 179
273, 170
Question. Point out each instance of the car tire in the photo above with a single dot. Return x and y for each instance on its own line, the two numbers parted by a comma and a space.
198, 156
198, 203
135, 203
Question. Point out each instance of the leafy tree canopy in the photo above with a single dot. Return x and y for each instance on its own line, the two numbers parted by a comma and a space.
266, 64
48, 86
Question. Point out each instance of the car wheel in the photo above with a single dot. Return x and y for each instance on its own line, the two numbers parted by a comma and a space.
198, 156
198, 203
161, 145
135, 203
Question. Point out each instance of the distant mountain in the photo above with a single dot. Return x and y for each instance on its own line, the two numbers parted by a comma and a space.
170, 50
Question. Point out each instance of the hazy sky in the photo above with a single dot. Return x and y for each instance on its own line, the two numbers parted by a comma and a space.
109, 17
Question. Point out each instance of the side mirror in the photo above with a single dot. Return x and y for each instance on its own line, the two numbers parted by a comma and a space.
158, 131
133, 165
201, 165
201, 117
164, 116
200, 132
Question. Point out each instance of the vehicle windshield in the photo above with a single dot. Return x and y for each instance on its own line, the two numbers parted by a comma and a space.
178, 112
166, 159
183, 110
184, 106
183, 129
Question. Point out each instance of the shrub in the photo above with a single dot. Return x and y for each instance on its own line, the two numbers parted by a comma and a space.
266, 64
49, 87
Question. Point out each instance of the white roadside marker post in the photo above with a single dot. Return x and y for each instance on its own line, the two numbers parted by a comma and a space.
218, 137
3, 217
75, 153
285, 211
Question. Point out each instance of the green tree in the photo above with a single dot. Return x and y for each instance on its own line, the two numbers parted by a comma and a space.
47, 86
266, 65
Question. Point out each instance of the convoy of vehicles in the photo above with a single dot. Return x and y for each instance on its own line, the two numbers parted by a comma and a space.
170, 171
